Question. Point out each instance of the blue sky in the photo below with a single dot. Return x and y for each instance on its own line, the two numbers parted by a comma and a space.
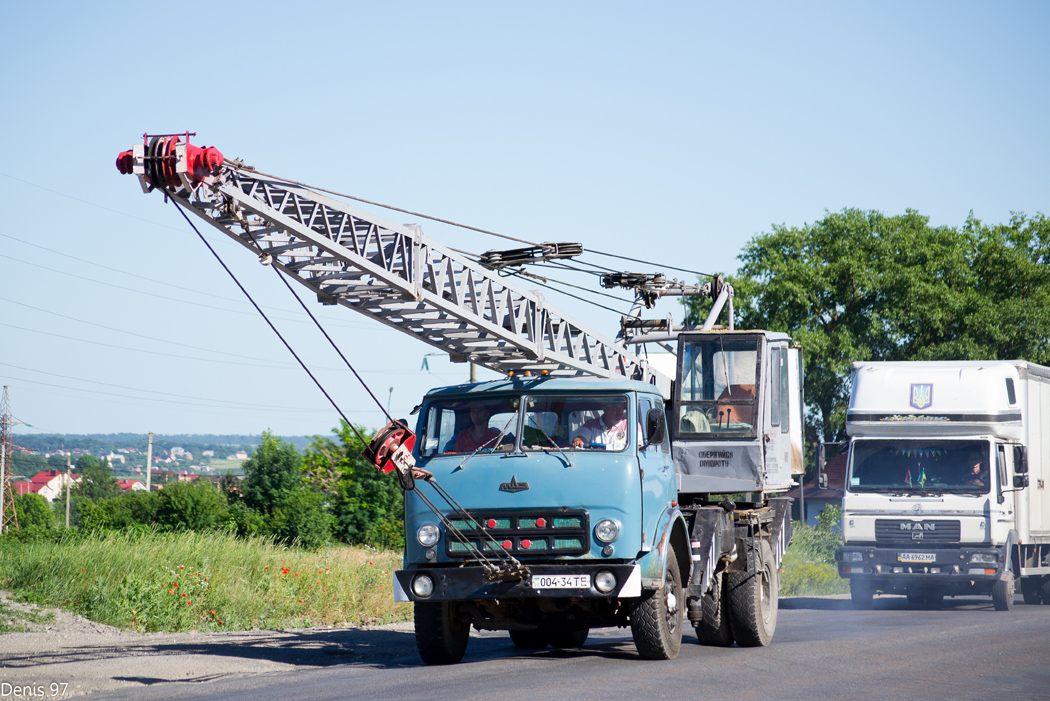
672, 132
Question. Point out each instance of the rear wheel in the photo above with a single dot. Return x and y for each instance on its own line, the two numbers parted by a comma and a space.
441, 633
528, 639
753, 598
568, 638
1003, 593
861, 594
656, 620
713, 628
1030, 590
1044, 590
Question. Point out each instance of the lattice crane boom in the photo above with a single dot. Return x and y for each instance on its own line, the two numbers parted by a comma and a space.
387, 271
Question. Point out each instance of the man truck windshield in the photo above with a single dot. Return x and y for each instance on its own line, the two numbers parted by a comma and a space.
922, 465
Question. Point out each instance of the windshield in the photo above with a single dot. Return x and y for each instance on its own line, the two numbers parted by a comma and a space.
469, 426
718, 386
575, 422
923, 465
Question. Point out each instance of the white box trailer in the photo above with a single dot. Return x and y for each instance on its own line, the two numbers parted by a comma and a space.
948, 485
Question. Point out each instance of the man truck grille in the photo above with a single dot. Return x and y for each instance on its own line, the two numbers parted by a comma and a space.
527, 532
906, 531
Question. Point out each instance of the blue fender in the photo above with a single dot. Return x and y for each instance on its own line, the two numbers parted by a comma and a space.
671, 528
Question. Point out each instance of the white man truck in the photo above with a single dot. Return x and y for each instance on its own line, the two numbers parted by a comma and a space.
947, 487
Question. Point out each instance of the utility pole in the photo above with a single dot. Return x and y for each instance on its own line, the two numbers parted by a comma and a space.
69, 480
8, 514
149, 461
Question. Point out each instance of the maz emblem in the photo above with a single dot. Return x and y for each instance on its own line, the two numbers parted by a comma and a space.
514, 485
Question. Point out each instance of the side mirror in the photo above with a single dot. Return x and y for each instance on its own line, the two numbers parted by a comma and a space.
1021, 459
1020, 481
822, 480
655, 427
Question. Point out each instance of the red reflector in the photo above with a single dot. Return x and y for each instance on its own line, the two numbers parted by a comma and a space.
491, 523
507, 545
526, 544
541, 522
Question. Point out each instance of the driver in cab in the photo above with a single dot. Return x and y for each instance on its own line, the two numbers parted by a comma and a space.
609, 429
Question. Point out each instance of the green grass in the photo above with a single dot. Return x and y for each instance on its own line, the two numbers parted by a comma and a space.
203, 581
809, 567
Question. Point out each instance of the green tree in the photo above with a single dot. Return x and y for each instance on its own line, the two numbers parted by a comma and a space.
274, 471
859, 285
190, 506
33, 511
300, 517
96, 478
367, 505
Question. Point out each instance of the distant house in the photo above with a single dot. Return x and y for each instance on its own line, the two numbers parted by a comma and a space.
208, 453
114, 458
25, 487
52, 483
239, 455
186, 476
132, 485
814, 497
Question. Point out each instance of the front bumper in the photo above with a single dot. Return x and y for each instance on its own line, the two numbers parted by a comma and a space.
909, 564
467, 583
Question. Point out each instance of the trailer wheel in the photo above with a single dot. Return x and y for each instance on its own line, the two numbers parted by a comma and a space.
753, 598
568, 638
528, 639
1044, 590
713, 628
1030, 587
1003, 593
441, 634
861, 594
656, 620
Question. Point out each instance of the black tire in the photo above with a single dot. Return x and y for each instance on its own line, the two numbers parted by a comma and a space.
861, 594
753, 600
656, 620
1044, 590
713, 628
528, 639
568, 638
1030, 587
1003, 593
441, 633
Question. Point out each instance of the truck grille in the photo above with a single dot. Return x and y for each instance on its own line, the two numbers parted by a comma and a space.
907, 531
528, 532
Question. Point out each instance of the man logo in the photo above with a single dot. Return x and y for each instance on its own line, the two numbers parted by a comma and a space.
921, 395
917, 526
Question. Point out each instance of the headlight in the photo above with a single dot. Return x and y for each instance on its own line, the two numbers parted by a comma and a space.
428, 535
852, 557
604, 581
989, 558
423, 585
607, 530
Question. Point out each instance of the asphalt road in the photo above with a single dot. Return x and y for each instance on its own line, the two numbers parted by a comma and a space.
822, 649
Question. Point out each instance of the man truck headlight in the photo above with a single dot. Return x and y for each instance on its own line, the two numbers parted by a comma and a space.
422, 585
428, 535
852, 557
985, 558
607, 530
604, 581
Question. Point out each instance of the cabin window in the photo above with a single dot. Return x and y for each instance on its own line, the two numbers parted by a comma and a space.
1010, 395
719, 377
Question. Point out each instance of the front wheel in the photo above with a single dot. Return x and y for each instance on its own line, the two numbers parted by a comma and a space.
656, 620
753, 599
441, 632
861, 594
1003, 593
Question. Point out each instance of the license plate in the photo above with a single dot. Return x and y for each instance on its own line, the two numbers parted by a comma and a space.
561, 581
917, 557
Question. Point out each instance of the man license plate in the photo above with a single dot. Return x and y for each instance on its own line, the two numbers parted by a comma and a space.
561, 581
916, 557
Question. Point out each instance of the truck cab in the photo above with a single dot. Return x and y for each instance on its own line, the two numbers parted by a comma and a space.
561, 511
931, 507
